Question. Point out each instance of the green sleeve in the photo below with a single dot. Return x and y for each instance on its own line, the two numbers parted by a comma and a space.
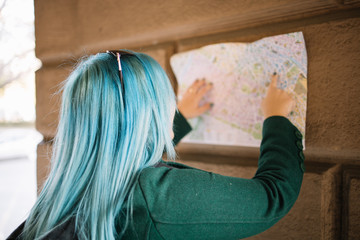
181, 127
190, 203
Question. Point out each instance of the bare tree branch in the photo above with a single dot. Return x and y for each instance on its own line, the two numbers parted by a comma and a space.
7, 74
3, 5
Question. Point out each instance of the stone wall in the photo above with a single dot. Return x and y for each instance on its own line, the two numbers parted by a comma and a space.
328, 206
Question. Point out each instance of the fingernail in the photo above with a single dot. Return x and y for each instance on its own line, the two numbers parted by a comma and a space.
274, 73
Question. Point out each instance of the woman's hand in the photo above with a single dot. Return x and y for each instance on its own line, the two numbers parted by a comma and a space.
277, 102
189, 104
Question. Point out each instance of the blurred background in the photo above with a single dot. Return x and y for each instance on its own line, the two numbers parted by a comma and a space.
18, 137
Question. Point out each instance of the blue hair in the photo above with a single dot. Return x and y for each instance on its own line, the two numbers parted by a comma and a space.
102, 145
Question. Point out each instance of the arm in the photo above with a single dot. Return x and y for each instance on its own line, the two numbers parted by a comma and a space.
195, 204
180, 127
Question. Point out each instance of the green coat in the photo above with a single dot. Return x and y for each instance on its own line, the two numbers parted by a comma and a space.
175, 201
188, 203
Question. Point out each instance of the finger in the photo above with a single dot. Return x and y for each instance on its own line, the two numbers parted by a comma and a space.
204, 90
201, 84
274, 79
197, 84
204, 108
193, 87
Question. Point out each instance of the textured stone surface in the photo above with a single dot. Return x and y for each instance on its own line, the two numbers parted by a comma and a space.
167, 15
353, 206
89, 25
48, 99
43, 163
331, 203
333, 113
55, 29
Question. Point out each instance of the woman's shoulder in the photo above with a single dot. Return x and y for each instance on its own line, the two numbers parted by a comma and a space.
166, 170
166, 176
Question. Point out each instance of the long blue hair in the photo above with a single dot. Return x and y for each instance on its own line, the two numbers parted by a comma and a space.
105, 138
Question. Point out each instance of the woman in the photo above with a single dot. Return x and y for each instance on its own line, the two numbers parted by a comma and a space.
108, 181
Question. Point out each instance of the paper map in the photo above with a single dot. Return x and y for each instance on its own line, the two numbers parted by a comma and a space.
241, 73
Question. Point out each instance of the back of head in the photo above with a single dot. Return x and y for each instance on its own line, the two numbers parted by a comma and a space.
106, 136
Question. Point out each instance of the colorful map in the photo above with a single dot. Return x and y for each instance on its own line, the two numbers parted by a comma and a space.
241, 73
